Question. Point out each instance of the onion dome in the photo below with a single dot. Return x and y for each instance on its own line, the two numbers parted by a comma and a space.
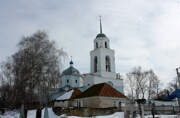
71, 63
71, 70
100, 35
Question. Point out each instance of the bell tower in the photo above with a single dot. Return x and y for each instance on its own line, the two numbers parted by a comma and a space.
102, 57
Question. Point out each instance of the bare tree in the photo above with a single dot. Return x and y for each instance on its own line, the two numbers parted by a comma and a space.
158, 88
153, 84
6, 72
130, 85
6, 81
34, 68
141, 83
173, 85
137, 82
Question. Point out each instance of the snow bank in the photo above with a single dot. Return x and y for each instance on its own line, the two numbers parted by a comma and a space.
10, 114
115, 115
31, 114
51, 113
161, 116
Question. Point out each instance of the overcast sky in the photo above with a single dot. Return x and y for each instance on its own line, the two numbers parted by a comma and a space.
142, 32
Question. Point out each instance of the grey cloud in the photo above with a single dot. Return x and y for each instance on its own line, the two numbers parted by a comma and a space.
138, 30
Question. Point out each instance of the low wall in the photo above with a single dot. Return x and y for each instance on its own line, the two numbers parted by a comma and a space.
160, 110
85, 112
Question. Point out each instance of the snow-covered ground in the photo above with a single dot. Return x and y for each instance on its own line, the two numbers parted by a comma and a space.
115, 115
10, 114
163, 116
32, 114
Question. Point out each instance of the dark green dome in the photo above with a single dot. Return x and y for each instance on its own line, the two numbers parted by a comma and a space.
71, 71
100, 35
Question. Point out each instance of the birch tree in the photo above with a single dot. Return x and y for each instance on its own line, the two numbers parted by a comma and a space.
142, 84
35, 68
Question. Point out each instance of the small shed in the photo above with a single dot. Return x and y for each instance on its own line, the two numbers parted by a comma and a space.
66, 100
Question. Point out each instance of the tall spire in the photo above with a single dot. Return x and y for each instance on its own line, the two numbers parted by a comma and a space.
100, 25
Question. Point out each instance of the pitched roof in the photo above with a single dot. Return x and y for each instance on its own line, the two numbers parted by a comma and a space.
71, 71
102, 89
70, 94
75, 93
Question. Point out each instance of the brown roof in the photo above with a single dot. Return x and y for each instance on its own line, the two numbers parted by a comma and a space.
75, 93
102, 89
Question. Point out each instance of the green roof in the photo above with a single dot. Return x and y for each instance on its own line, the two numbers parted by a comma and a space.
71, 71
100, 35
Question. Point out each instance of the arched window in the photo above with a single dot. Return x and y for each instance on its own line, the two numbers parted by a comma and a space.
105, 44
108, 64
96, 45
95, 64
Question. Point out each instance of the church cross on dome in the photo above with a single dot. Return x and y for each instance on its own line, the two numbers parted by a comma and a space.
71, 58
71, 62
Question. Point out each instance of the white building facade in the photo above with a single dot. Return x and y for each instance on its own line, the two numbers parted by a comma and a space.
71, 78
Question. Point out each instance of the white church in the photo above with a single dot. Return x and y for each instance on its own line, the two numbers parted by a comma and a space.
102, 68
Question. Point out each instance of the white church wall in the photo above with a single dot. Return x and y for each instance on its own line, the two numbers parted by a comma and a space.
81, 82
71, 81
93, 79
88, 80
115, 82
101, 54
101, 42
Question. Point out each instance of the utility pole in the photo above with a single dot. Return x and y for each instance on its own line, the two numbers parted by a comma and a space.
178, 86
178, 77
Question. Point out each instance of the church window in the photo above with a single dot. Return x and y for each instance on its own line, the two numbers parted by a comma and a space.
105, 44
108, 64
96, 45
95, 64
67, 81
76, 81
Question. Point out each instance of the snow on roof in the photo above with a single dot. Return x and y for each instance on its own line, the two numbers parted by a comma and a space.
66, 96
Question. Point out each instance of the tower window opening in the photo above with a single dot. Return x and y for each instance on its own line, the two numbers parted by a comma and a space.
108, 64
96, 45
95, 64
76, 81
67, 81
105, 44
